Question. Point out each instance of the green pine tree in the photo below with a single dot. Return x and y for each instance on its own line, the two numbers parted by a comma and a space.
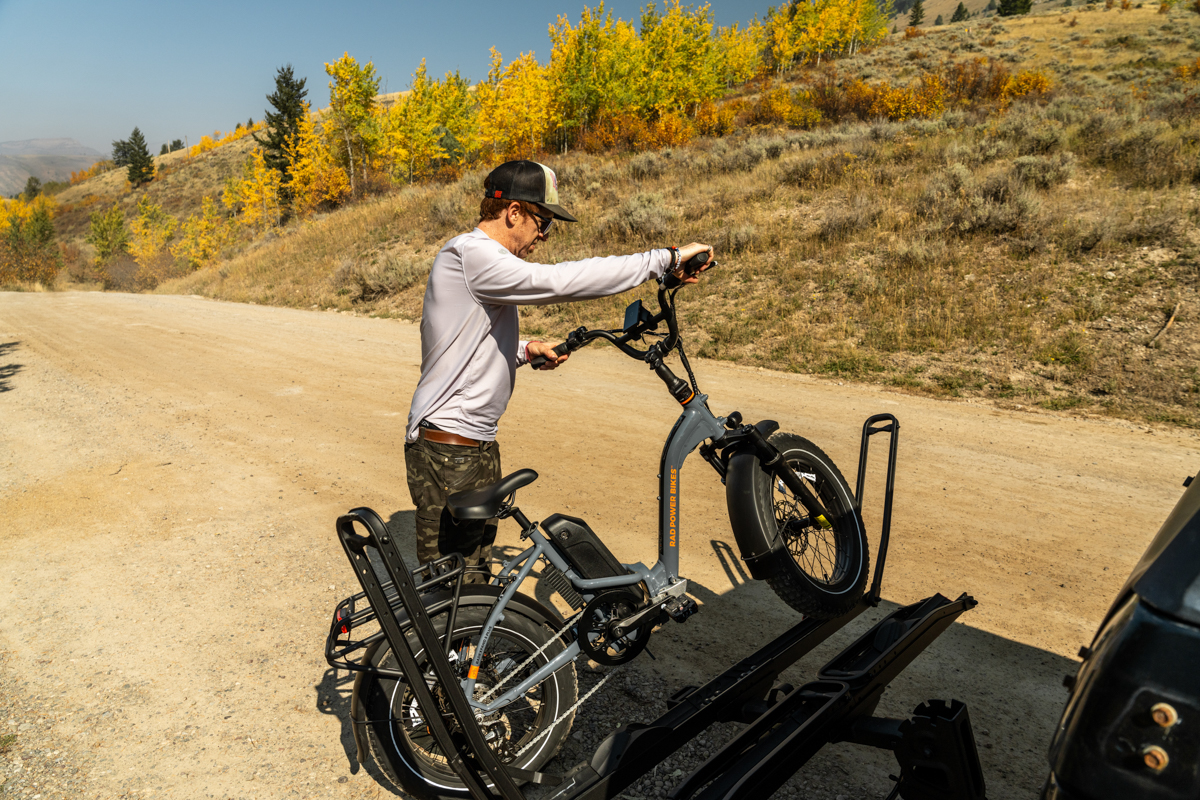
282, 124
176, 144
917, 15
960, 14
120, 153
141, 163
33, 187
1012, 8
938, 21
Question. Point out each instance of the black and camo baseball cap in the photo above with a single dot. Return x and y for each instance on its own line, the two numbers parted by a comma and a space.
528, 181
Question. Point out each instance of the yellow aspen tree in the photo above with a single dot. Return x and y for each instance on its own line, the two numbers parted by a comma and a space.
316, 179
516, 108
433, 125
150, 231
594, 69
680, 65
412, 128
254, 198
740, 52
351, 103
202, 236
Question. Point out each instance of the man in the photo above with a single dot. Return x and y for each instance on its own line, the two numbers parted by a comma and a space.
470, 348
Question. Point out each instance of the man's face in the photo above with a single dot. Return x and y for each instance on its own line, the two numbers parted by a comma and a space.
528, 229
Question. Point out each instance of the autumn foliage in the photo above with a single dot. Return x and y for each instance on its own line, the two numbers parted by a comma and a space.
217, 139
610, 84
28, 252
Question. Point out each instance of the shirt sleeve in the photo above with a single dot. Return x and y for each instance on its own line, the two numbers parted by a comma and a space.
522, 353
494, 275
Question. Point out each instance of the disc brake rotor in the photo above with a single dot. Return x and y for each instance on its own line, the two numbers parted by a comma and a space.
596, 638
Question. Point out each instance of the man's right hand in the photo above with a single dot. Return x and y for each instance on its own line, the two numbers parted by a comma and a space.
546, 351
688, 251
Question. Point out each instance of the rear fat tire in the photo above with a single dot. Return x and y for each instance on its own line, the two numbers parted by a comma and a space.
412, 758
826, 573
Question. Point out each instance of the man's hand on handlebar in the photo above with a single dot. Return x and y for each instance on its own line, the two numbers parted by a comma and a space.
685, 254
546, 351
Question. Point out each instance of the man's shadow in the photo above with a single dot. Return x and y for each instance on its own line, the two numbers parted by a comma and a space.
8, 370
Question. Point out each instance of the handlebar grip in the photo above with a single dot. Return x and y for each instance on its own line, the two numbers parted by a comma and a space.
693, 264
538, 361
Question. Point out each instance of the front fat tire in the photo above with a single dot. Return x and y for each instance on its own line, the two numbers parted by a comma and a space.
839, 588
410, 766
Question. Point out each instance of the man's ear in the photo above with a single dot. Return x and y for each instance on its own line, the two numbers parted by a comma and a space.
514, 213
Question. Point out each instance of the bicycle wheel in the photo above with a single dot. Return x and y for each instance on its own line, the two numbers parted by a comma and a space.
409, 754
826, 571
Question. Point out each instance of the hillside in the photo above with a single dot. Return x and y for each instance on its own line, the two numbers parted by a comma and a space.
1026, 257
182, 181
45, 159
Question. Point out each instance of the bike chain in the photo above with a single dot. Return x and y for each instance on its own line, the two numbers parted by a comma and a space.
566, 627
566, 713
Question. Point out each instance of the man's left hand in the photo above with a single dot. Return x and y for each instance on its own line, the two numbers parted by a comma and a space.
546, 351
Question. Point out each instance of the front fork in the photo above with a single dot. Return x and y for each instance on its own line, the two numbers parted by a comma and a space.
716, 454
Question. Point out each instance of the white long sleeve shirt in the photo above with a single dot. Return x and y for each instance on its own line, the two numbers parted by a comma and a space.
470, 347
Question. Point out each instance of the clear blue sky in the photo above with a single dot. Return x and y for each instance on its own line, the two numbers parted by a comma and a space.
93, 70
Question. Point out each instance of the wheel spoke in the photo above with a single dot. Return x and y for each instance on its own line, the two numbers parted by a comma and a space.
814, 548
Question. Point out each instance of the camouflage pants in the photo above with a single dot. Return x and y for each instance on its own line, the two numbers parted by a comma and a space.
436, 471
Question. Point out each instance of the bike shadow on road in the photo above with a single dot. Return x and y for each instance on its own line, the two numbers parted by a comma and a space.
8, 370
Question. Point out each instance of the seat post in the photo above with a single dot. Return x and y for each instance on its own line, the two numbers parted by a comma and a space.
521, 519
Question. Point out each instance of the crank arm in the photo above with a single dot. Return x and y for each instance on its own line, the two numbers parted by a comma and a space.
658, 604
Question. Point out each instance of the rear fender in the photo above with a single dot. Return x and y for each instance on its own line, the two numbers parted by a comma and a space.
753, 522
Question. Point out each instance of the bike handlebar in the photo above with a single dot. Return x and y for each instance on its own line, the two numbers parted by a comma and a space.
582, 336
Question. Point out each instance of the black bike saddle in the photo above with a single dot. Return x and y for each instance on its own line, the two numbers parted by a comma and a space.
483, 503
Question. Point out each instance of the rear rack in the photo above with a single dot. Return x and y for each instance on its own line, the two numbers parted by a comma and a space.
439, 583
786, 726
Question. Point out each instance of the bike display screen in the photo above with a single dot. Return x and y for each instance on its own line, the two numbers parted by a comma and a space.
636, 313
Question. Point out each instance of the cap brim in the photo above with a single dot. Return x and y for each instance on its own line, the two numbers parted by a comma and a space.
559, 212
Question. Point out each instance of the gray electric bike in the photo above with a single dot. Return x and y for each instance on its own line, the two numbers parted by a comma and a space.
793, 516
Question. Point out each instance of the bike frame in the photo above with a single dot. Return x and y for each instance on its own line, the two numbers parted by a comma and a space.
696, 424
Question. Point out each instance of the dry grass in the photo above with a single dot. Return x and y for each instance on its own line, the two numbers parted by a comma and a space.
1025, 257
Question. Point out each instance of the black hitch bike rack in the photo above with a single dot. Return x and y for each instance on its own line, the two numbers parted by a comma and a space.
785, 726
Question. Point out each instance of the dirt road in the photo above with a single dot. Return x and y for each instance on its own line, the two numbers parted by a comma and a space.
171, 467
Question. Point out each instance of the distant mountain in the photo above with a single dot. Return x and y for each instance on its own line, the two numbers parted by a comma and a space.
48, 147
45, 159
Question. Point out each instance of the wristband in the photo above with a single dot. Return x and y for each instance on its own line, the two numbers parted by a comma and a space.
674, 258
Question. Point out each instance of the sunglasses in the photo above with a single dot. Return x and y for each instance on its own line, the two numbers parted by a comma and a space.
544, 223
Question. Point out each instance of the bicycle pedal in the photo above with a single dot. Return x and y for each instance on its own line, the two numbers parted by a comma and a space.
680, 608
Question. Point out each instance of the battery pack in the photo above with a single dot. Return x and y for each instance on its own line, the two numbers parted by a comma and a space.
582, 548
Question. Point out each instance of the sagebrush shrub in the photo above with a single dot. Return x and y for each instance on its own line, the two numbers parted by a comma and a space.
1045, 172
448, 214
381, 277
645, 165
842, 221
737, 159
738, 239
643, 216
961, 203
1151, 154
1031, 132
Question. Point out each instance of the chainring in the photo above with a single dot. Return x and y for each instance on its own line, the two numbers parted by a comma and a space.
596, 639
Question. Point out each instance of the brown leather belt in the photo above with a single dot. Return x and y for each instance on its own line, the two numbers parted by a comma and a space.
445, 437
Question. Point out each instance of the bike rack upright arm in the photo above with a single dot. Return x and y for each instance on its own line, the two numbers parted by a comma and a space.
468, 751
870, 429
